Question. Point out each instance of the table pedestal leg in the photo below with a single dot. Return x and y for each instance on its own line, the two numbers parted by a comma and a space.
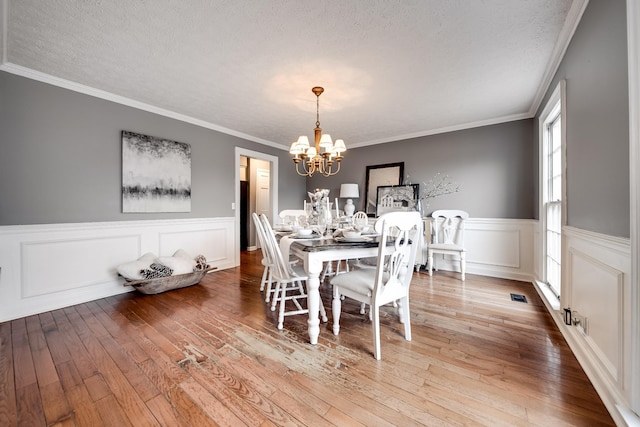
313, 268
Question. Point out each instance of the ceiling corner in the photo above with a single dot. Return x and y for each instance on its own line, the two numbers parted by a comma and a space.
568, 30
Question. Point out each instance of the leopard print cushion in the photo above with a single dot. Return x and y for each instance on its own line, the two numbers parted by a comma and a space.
155, 271
162, 269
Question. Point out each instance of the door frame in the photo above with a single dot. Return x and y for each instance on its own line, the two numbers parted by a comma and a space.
273, 195
633, 43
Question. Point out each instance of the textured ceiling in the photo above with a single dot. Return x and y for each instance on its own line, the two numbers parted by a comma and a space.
391, 69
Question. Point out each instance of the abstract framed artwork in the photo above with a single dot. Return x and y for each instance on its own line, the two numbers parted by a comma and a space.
377, 175
397, 198
156, 174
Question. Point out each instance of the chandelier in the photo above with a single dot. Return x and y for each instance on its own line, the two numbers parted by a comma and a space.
323, 155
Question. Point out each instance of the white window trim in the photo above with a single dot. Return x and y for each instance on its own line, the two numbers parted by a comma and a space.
558, 97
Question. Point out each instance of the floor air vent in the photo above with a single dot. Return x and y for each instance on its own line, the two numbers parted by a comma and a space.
518, 298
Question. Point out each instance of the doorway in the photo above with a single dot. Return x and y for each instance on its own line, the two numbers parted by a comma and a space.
268, 195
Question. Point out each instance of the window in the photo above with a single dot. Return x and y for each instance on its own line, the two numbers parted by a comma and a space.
552, 194
554, 204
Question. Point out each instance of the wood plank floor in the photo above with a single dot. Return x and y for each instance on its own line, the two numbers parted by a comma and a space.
210, 354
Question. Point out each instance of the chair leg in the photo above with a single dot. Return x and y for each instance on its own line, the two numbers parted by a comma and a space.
274, 299
336, 307
323, 313
375, 324
264, 278
405, 317
463, 264
301, 290
430, 263
269, 287
328, 268
283, 301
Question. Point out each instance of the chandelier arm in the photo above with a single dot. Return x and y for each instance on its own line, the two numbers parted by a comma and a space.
304, 168
338, 170
329, 172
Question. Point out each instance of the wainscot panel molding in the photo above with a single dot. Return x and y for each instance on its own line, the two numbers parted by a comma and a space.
596, 271
495, 247
45, 267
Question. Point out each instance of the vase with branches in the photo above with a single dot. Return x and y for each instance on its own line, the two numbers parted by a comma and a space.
437, 186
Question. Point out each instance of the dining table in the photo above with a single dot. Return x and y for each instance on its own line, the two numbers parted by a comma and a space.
314, 252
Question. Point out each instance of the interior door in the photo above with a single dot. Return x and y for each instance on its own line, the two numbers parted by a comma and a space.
263, 192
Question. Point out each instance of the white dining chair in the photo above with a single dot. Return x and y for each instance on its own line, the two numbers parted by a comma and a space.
266, 261
360, 220
291, 213
391, 279
448, 238
289, 281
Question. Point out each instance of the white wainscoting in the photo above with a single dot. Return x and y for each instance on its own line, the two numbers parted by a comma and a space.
45, 267
495, 247
596, 285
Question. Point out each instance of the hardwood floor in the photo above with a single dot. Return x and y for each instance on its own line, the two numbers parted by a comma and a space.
210, 354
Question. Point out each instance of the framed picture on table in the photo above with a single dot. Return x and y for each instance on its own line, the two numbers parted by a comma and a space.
397, 198
380, 175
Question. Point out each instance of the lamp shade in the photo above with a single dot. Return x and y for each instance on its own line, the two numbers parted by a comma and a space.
339, 146
295, 149
303, 142
349, 191
325, 141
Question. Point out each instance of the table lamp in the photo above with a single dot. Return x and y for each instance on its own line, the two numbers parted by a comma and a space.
349, 192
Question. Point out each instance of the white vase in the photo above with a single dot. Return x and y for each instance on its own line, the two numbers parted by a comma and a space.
349, 208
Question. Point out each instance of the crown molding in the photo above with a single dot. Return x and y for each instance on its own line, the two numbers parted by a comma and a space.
568, 30
87, 90
464, 126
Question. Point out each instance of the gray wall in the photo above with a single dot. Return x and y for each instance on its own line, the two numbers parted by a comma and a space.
596, 71
60, 158
493, 164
